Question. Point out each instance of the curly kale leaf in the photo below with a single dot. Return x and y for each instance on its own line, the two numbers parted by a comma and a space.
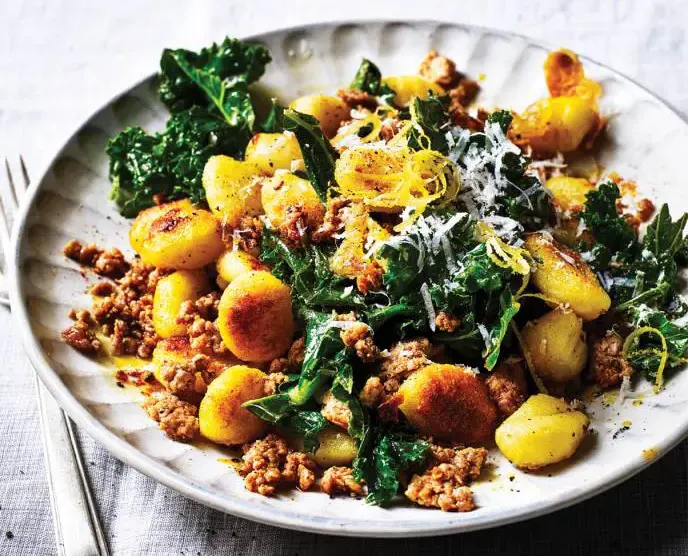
430, 124
307, 270
318, 154
383, 455
207, 78
646, 354
170, 163
207, 93
607, 226
440, 252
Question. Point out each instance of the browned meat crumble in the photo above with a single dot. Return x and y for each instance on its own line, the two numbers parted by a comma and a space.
340, 480
507, 385
607, 364
439, 69
80, 334
357, 99
445, 483
359, 336
177, 418
268, 464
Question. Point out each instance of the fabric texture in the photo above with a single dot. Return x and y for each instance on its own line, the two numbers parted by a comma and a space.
61, 60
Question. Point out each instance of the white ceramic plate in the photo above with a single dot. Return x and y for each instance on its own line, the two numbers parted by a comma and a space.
69, 200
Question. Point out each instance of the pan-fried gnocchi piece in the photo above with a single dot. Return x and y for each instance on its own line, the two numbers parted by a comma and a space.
336, 448
554, 125
408, 86
232, 189
255, 317
176, 235
233, 263
285, 191
173, 290
544, 430
561, 275
569, 193
449, 402
556, 345
220, 415
273, 151
328, 110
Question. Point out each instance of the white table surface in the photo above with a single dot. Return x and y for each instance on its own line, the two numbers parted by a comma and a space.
61, 60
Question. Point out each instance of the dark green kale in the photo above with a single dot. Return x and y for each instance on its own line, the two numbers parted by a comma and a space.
441, 255
430, 124
494, 178
209, 78
318, 154
646, 354
274, 121
369, 80
609, 228
383, 455
307, 270
212, 114
327, 363
170, 163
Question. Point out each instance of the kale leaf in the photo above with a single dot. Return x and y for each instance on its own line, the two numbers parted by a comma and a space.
383, 455
440, 252
369, 80
318, 154
208, 78
430, 123
170, 163
307, 270
607, 226
207, 93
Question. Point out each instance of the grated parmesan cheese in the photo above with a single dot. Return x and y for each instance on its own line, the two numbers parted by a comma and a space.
427, 301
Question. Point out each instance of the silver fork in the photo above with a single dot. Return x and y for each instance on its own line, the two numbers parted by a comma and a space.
75, 519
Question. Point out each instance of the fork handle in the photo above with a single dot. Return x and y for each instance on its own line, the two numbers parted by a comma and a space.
70, 497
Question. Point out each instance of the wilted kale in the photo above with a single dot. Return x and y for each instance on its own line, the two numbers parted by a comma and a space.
170, 163
211, 78
212, 114
383, 454
307, 270
430, 124
494, 178
369, 80
318, 154
441, 253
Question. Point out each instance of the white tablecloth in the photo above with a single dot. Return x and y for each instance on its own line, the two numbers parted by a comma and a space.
60, 60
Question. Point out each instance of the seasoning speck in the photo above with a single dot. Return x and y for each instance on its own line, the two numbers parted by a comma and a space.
9, 535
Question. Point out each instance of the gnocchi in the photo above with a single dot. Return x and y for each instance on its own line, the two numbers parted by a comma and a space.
176, 235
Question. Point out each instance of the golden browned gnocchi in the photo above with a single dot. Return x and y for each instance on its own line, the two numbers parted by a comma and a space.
543, 431
569, 193
273, 151
561, 275
255, 319
284, 192
408, 86
232, 189
234, 262
221, 416
449, 402
176, 235
553, 125
171, 292
556, 345
330, 111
